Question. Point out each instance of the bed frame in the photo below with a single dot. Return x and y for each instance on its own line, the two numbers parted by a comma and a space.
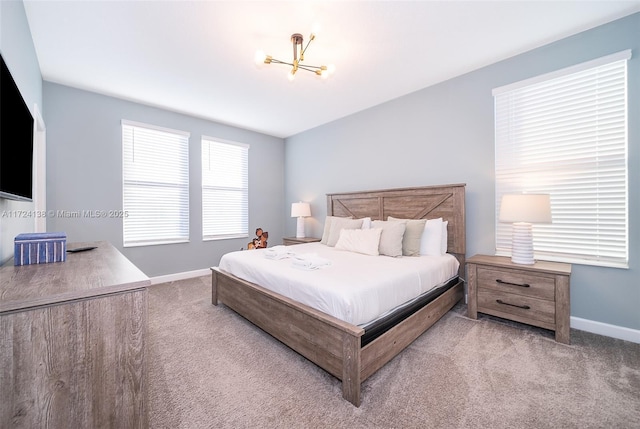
330, 343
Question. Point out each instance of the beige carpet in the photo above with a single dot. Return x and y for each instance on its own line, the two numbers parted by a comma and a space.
209, 368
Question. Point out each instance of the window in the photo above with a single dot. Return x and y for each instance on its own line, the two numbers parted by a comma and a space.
225, 189
155, 185
565, 134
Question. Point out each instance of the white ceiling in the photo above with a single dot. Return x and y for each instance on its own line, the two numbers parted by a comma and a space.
196, 57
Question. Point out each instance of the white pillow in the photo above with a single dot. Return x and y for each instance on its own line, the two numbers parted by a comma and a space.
366, 222
338, 224
445, 238
431, 240
391, 237
327, 228
365, 241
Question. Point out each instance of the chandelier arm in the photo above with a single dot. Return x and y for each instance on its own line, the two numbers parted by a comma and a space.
305, 49
273, 60
310, 68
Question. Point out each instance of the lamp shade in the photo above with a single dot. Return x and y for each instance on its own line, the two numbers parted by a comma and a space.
300, 210
530, 208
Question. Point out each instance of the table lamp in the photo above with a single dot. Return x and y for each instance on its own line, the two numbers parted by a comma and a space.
300, 210
522, 210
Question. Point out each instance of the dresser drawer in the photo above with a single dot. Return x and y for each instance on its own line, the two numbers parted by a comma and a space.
517, 282
522, 308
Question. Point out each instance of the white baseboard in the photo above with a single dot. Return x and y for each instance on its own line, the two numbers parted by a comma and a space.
619, 332
180, 276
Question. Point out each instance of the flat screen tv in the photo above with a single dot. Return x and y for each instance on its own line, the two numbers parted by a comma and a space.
16, 141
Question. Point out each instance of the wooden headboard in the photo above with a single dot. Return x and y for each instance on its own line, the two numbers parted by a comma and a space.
426, 202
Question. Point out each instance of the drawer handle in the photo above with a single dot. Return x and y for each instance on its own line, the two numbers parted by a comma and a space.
524, 307
513, 284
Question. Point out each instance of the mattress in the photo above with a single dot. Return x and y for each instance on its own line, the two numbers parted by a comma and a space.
352, 287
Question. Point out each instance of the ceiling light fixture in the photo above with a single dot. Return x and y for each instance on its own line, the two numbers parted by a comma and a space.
298, 58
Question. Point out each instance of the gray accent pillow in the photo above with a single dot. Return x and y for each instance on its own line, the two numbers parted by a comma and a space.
412, 235
327, 227
391, 237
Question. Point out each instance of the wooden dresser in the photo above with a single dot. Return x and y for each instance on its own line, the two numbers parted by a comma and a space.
535, 294
72, 342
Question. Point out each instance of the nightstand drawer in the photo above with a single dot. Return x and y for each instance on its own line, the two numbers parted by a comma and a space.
517, 282
526, 309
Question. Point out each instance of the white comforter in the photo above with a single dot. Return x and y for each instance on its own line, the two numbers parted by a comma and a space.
353, 287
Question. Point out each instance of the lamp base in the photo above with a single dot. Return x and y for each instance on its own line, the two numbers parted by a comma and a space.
300, 228
522, 244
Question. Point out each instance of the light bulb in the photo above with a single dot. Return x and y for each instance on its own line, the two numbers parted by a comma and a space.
291, 75
326, 71
259, 58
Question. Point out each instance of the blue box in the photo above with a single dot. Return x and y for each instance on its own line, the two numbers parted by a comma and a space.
40, 248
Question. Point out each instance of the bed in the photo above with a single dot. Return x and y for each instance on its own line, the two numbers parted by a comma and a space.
352, 351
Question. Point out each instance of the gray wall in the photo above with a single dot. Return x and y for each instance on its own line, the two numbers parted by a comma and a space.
84, 172
19, 53
444, 134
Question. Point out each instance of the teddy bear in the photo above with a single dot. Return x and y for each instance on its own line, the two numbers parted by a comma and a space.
260, 242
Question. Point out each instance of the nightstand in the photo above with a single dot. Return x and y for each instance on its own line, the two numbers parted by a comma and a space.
289, 241
535, 294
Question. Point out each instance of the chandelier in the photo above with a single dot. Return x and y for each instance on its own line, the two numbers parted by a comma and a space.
298, 58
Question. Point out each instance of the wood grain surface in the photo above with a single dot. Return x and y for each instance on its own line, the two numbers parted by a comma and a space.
87, 274
74, 362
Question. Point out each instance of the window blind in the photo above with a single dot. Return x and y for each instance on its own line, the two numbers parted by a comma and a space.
155, 185
225, 189
565, 134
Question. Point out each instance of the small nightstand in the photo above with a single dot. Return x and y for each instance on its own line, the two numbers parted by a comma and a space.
289, 241
535, 294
